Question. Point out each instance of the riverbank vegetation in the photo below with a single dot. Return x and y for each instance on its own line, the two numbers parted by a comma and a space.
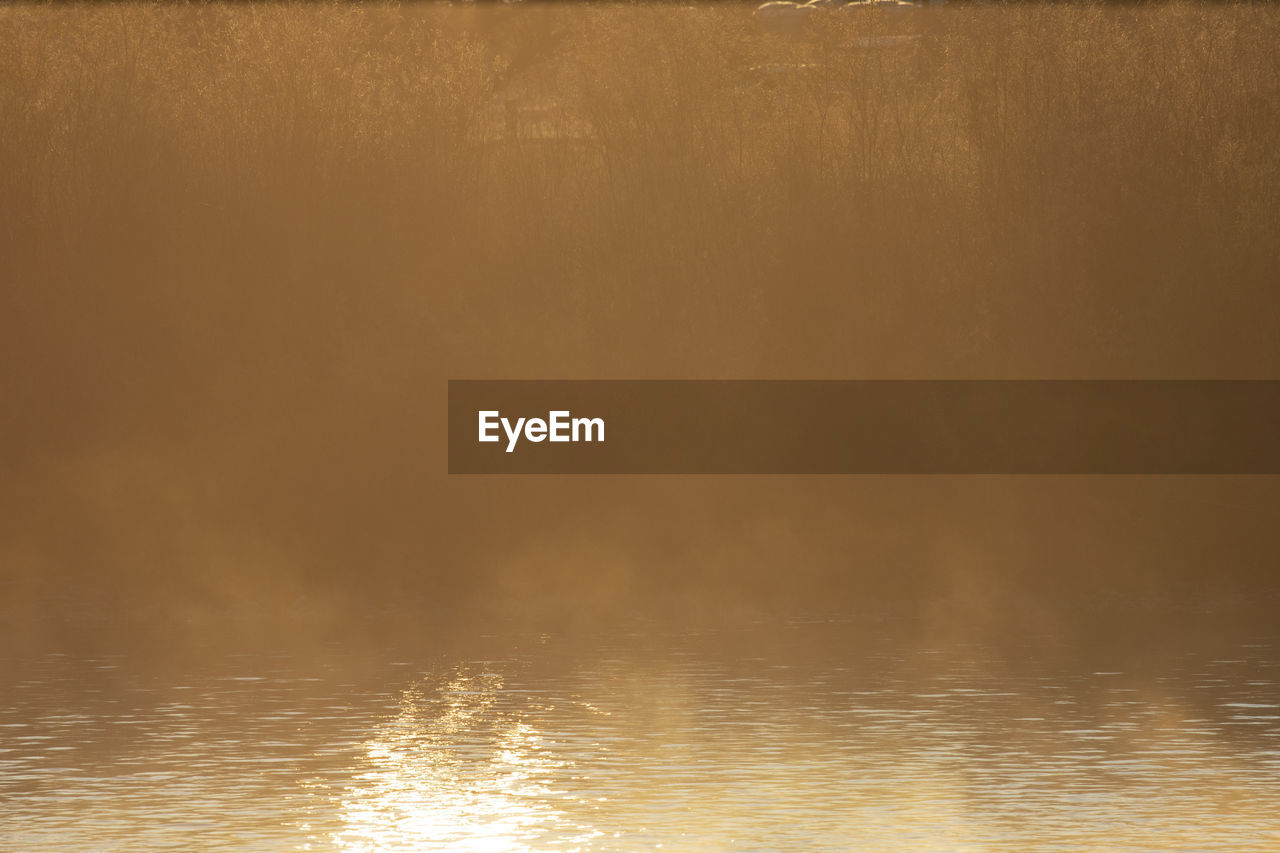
242, 246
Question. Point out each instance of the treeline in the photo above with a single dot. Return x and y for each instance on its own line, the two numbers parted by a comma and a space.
242, 246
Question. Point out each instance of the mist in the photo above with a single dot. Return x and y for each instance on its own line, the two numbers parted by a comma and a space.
242, 248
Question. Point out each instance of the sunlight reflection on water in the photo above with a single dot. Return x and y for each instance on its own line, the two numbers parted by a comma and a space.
690, 745
457, 772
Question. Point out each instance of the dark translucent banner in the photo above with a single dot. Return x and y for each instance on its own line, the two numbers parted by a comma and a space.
863, 427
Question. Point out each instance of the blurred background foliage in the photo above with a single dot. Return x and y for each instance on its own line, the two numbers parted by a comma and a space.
243, 246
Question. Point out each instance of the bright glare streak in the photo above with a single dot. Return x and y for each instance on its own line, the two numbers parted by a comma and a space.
452, 771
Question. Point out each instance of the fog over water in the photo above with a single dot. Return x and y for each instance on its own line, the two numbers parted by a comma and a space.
243, 247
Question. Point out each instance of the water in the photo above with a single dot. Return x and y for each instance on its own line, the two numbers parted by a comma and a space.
798, 737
